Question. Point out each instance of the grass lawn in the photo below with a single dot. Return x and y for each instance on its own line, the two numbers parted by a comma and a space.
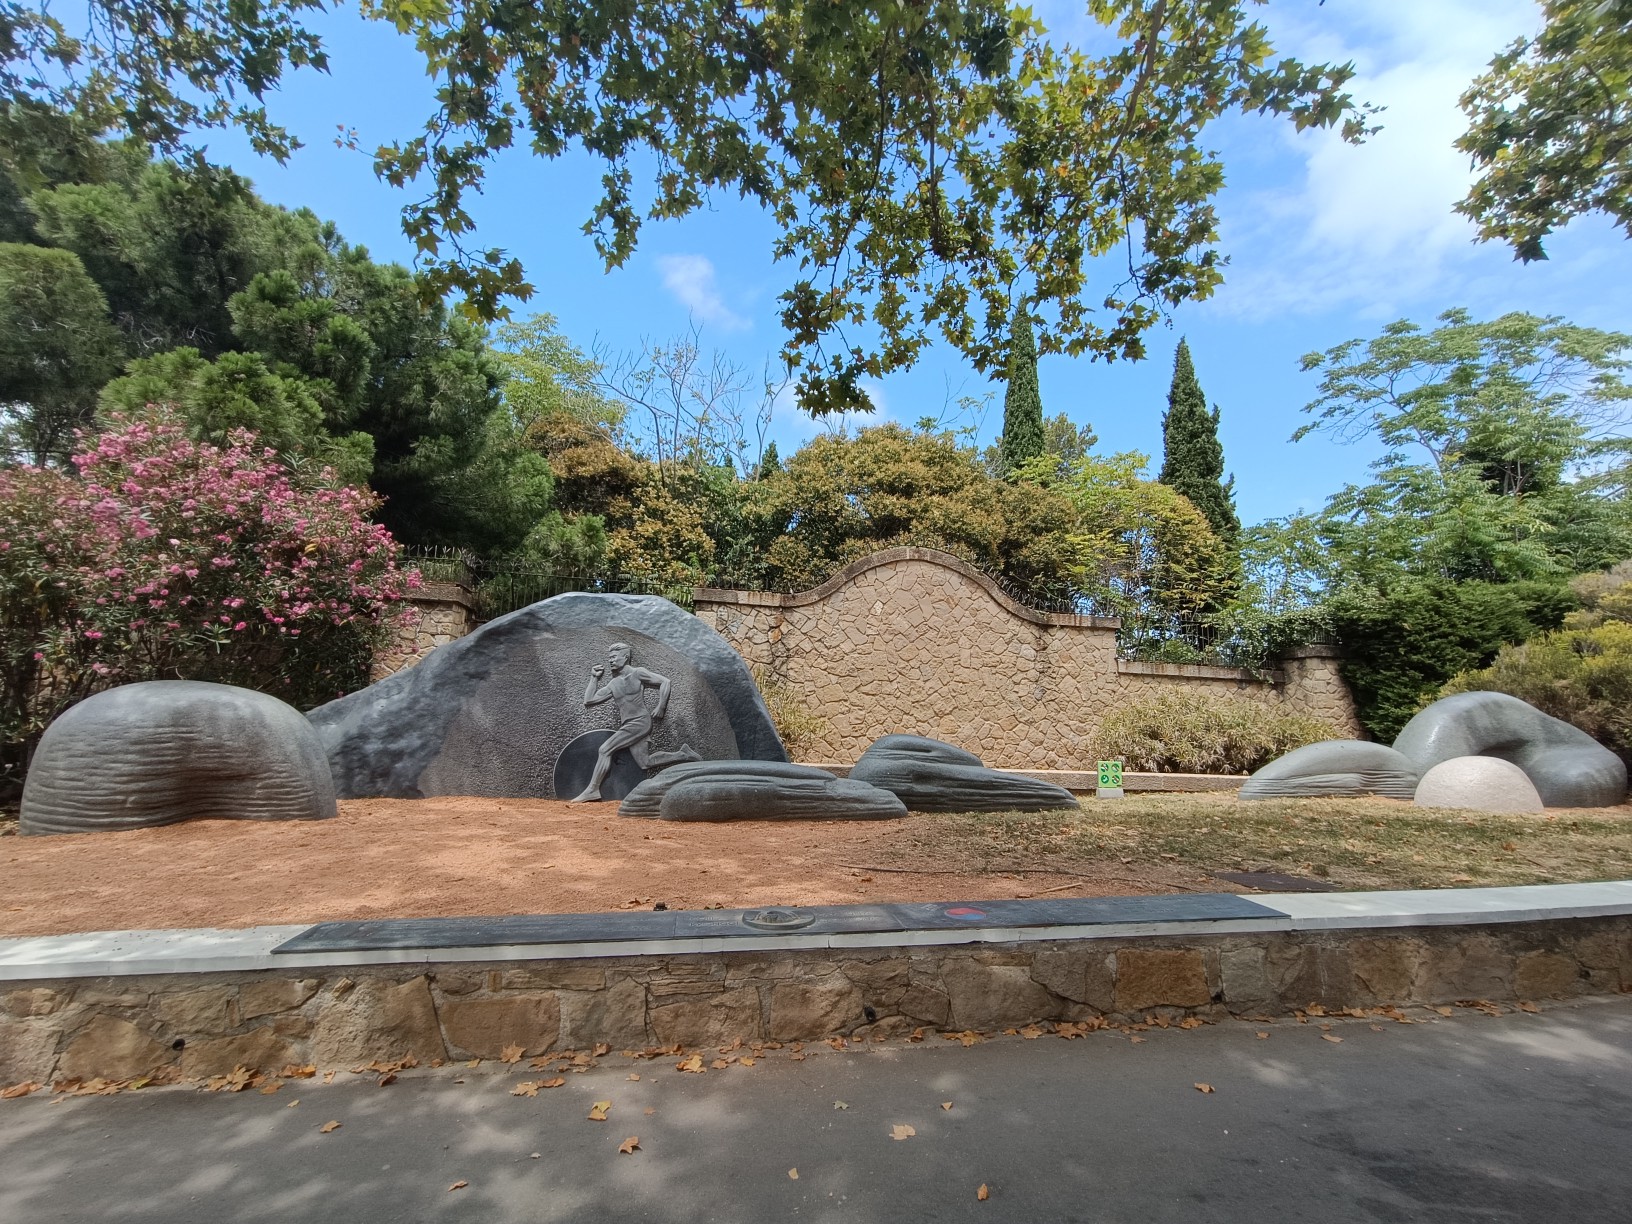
1356, 843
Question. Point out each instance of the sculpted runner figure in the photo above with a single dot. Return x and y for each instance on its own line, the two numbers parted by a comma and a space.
627, 691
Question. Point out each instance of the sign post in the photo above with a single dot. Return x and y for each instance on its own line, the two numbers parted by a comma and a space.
1110, 780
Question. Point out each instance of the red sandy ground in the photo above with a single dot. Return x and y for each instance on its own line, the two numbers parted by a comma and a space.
448, 857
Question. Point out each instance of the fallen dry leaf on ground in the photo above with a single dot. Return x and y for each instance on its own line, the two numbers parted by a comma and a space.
269, 1089
511, 1054
386, 1080
458, 1185
946, 1104
298, 1071
983, 1194
902, 1131
1446, 1011
1135, 1039
745, 1062
694, 1064
1263, 1036
841, 1105
628, 1146
327, 1127
292, 1103
18, 1090
527, 1088
1200, 1087
552, 1083
597, 1111
634, 1075
793, 1174
1528, 1007
720, 1064
1334, 1039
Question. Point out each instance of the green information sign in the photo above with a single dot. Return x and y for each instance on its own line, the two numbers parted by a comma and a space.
1110, 775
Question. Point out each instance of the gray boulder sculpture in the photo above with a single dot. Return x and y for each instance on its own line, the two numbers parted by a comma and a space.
166, 751
930, 776
490, 713
1567, 766
1335, 768
1478, 784
757, 790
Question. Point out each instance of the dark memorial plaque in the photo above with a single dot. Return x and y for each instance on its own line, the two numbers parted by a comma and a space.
544, 929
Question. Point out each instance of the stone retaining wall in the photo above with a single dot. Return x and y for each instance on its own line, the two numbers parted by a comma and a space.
911, 640
203, 1024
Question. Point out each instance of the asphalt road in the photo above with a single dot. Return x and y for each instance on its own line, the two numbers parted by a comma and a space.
1474, 1118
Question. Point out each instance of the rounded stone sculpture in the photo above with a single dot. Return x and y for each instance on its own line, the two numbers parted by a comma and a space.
491, 713
1478, 784
930, 776
1335, 769
1566, 765
757, 790
166, 751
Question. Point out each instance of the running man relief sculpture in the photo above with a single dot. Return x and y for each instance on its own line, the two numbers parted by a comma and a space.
626, 689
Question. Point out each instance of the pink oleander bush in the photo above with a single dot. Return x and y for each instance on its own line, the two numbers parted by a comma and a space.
163, 558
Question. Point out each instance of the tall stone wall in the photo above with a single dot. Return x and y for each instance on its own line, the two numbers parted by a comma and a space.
911, 640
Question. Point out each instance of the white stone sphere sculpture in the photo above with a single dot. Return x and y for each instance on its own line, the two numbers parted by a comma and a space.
1478, 784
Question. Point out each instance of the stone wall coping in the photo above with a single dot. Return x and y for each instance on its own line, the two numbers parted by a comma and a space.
1198, 671
441, 592
136, 953
1313, 650
889, 556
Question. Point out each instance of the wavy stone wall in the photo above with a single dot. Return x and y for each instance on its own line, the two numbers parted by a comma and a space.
911, 640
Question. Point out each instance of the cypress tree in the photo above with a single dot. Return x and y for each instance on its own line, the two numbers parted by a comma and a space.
1192, 456
1023, 437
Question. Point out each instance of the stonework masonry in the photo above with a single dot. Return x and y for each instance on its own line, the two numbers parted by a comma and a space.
196, 1025
915, 641
443, 611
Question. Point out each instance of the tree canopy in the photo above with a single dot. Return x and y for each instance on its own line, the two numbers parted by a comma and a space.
1550, 127
928, 163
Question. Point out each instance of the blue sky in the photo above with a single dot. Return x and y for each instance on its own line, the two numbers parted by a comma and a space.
1326, 241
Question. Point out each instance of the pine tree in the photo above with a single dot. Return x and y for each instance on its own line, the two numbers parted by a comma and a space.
1023, 436
1192, 456
769, 462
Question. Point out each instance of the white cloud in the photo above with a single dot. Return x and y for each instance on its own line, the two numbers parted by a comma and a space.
692, 280
1371, 228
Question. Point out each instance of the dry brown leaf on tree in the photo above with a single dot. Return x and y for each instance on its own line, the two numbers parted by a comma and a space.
597, 1111
327, 1127
902, 1131
628, 1146
511, 1054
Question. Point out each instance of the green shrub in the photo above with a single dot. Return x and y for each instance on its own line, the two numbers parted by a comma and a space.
1178, 732
1400, 647
1583, 676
